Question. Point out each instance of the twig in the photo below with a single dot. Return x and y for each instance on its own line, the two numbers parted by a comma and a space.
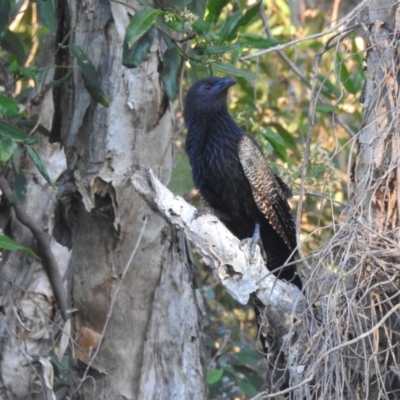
297, 71
321, 196
43, 240
304, 39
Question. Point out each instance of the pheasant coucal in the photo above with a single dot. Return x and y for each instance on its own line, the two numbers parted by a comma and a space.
233, 177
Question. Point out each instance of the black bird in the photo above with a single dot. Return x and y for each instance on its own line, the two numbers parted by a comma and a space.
233, 177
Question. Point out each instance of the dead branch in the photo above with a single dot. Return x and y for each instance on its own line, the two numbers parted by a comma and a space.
226, 256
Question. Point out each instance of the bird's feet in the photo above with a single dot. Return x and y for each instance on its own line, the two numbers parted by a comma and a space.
251, 243
211, 211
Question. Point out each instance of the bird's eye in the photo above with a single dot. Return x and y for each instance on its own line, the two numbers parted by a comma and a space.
207, 87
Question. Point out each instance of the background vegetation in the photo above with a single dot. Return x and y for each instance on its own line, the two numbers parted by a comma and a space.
271, 101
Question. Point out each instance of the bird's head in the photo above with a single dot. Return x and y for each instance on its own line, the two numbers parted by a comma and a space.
207, 96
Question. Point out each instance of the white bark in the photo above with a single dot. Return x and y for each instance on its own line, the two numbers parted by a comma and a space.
124, 328
222, 252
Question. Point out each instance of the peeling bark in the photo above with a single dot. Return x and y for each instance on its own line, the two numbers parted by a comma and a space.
282, 304
102, 218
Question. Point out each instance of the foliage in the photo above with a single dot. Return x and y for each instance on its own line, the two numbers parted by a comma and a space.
272, 103
269, 101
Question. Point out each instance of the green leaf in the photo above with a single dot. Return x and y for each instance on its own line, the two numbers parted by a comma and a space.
351, 82
134, 56
215, 376
8, 106
316, 170
231, 70
39, 164
32, 123
57, 83
7, 147
12, 132
178, 25
5, 8
181, 180
89, 75
325, 108
250, 14
247, 357
256, 41
181, 4
140, 23
277, 143
286, 136
248, 388
202, 27
11, 43
47, 14
230, 27
218, 49
20, 183
328, 88
197, 7
7, 243
169, 74
214, 8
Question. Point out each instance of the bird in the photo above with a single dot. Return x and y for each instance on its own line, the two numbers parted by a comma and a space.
234, 178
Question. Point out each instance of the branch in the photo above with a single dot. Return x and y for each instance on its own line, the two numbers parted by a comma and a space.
343, 21
225, 255
43, 241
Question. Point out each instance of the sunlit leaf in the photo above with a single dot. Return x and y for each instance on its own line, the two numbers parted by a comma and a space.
140, 23
89, 75
250, 14
134, 56
214, 8
353, 81
231, 70
47, 14
39, 164
8, 106
230, 27
7, 243
286, 136
215, 376
277, 143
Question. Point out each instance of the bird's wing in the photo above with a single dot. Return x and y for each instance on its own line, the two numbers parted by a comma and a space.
267, 190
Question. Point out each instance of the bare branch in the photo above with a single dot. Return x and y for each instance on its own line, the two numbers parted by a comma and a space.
43, 241
222, 252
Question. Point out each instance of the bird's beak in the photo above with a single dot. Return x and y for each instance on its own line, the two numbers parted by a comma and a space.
225, 83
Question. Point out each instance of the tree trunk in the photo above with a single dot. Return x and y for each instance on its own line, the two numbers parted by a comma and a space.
137, 315
153, 312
